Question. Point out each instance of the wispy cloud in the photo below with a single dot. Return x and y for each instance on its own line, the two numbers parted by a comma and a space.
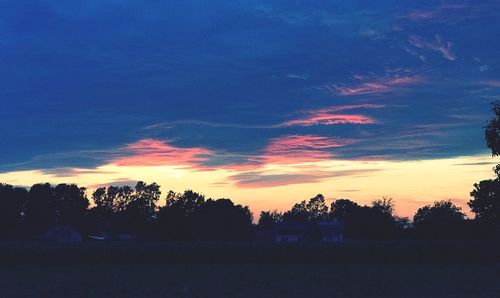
260, 179
298, 76
331, 116
437, 45
301, 148
453, 13
370, 85
325, 118
439, 14
492, 83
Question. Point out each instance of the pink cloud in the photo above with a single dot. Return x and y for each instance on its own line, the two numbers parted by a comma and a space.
437, 45
150, 152
381, 85
330, 116
365, 88
330, 119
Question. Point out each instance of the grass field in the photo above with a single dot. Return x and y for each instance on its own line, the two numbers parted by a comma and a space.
243, 280
169, 269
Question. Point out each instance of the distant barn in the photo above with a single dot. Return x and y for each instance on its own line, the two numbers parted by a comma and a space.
330, 231
292, 232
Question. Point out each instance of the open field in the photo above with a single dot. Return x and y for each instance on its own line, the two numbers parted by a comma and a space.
244, 280
145, 252
202, 269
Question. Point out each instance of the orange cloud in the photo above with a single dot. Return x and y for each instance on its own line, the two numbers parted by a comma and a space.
150, 152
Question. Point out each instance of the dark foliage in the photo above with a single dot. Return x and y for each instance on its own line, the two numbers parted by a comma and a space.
47, 205
268, 219
189, 216
12, 200
485, 204
492, 130
443, 220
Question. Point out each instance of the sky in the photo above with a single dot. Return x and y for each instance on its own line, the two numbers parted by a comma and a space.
265, 102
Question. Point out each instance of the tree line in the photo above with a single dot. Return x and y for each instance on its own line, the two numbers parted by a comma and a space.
190, 216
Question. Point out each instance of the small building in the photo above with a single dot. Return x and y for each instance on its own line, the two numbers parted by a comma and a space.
292, 232
63, 233
331, 231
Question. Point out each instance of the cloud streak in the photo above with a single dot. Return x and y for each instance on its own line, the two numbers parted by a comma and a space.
385, 84
301, 148
453, 13
260, 179
437, 45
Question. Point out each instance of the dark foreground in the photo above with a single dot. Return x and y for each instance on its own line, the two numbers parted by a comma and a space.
243, 280
363, 269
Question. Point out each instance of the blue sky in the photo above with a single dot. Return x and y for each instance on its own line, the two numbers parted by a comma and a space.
396, 80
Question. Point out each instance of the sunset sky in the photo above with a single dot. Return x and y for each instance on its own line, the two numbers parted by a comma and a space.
265, 102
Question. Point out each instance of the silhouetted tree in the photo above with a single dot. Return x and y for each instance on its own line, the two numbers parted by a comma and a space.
222, 220
366, 222
486, 194
268, 219
125, 209
190, 216
442, 220
316, 208
492, 131
342, 209
47, 205
298, 213
175, 218
140, 212
71, 204
486, 206
12, 201
40, 211
384, 205
310, 211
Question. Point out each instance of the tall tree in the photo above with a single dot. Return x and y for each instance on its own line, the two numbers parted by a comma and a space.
486, 202
175, 219
492, 131
71, 204
342, 209
268, 219
442, 220
12, 201
298, 213
222, 220
384, 205
316, 208
40, 211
